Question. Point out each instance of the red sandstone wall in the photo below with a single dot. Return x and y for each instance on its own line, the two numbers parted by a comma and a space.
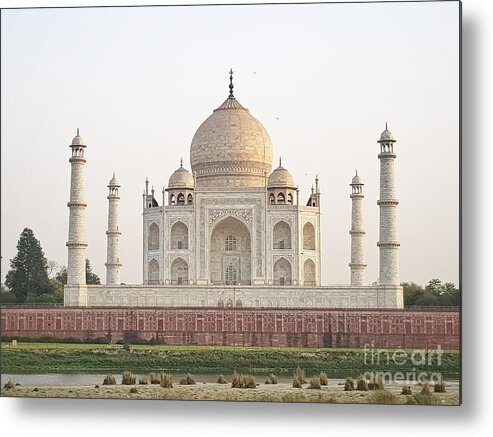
239, 326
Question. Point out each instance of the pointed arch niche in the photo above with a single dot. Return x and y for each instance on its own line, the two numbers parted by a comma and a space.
153, 272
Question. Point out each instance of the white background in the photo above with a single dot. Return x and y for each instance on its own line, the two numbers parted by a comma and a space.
99, 417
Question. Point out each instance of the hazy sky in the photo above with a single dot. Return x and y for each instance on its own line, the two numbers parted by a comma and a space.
323, 80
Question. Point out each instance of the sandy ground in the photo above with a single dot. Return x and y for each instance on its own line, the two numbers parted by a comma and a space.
282, 392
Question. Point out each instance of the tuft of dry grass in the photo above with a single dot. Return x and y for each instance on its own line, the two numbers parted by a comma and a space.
221, 380
133, 390
9, 385
323, 379
145, 380
155, 378
315, 383
385, 397
128, 378
109, 380
362, 384
300, 375
243, 381
406, 390
188, 380
166, 380
425, 389
376, 384
439, 387
271, 379
349, 384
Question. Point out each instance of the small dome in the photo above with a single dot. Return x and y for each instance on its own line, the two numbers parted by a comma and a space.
386, 136
78, 140
114, 182
357, 180
181, 178
280, 178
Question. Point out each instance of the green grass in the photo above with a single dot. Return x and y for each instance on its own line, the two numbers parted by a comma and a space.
103, 358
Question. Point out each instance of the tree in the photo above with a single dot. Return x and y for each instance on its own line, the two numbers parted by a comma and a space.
6, 296
433, 294
28, 274
91, 278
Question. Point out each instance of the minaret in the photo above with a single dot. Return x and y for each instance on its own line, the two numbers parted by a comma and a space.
113, 265
76, 265
357, 264
388, 244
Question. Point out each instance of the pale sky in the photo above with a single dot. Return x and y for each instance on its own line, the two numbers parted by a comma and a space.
323, 80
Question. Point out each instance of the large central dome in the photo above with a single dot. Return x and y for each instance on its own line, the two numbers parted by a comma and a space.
231, 148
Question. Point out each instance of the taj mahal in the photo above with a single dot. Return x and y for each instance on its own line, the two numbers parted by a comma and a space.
233, 231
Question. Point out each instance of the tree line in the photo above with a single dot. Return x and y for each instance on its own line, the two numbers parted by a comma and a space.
434, 294
34, 279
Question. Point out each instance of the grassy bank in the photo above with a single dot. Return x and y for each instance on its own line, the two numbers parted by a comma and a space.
224, 392
100, 358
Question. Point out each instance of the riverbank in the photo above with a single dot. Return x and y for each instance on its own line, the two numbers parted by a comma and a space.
102, 358
282, 392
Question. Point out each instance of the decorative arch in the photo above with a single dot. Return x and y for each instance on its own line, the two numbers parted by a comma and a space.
179, 236
272, 199
281, 199
290, 199
153, 237
309, 273
190, 199
179, 272
153, 272
172, 200
281, 236
282, 272
308, 237
230, 256
180, 199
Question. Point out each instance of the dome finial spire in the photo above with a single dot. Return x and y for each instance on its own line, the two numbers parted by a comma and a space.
77, 131
231, 86
386, 128
280, 161
181, 162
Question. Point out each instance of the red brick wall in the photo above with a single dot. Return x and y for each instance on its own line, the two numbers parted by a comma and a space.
239, 326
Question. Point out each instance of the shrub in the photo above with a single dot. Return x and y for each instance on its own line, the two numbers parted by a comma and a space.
96, 386
166, 380
155, 378
300, 374
383, 397
221, 380
243, 381
271, 379
133, 390
315, 383
144, 380
349, 384
188, 380
128, 378
323, 379
406, 390
439, 387
9, 385
362, 384
109, 380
